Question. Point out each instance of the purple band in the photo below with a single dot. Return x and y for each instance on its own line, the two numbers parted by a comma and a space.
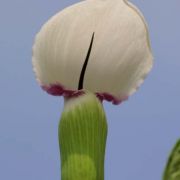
59, 90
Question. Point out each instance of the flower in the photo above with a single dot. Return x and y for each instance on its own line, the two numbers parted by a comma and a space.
98, 45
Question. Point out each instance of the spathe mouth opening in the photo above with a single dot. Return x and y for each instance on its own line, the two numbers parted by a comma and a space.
59, 90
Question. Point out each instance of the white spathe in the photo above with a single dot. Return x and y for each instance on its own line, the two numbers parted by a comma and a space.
120, 56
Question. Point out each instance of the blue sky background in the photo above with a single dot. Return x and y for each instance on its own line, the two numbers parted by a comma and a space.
142, 130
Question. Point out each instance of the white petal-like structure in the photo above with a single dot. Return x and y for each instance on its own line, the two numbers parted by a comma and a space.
98, 45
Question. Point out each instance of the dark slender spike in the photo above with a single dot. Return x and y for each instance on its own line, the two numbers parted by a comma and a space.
81, 79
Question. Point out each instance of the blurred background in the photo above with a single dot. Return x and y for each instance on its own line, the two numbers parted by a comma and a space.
142, 130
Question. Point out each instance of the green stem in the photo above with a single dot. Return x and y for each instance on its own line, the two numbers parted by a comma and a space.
82, 138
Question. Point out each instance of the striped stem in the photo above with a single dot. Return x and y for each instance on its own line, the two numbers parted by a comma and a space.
82, 138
